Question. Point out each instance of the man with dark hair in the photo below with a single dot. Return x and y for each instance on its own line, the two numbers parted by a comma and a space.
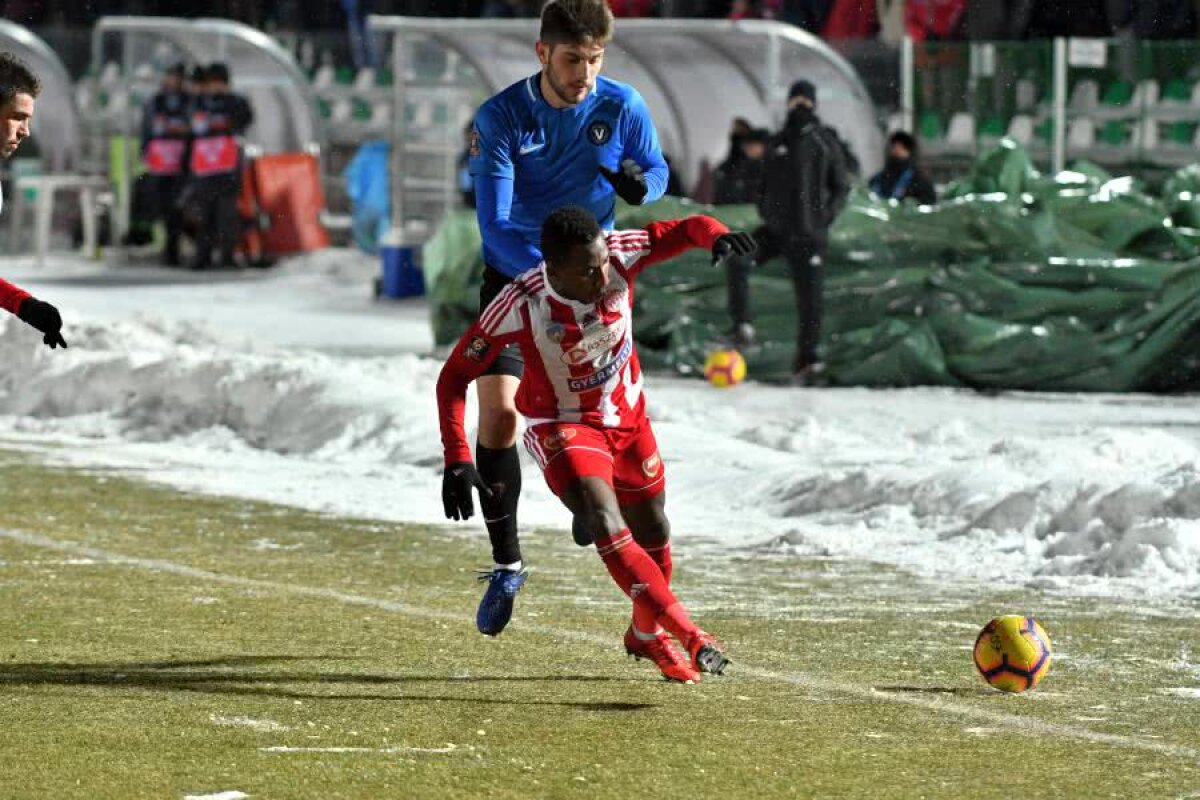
166, 127
219, 120
562, 136
586, 410
901, 178
19, 88
737, 180
805, 184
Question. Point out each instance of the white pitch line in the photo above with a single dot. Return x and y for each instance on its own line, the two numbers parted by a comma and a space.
937, 705
287, 749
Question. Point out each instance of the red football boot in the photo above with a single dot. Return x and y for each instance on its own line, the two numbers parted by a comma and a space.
708, 655
662, 652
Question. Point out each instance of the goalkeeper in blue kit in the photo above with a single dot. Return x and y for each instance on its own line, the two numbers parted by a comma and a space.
564, 136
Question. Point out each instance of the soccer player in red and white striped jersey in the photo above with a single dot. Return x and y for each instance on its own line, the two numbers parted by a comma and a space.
582, 399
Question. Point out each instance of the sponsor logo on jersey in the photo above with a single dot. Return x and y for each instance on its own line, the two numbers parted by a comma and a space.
557, 439
477, 348
651, 465
555, 332
599, 342
599, 132
602, 375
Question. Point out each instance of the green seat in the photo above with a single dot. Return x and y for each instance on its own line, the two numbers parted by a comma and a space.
1114, 133
1177, 90
343, 76
1045, 130
992, 128
324, 108
1117, 93
1180, 133
360, 110
931, 127
384, 78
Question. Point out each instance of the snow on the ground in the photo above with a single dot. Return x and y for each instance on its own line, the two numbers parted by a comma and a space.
294, 386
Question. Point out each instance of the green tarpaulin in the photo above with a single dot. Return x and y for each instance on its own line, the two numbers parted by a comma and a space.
1080, 282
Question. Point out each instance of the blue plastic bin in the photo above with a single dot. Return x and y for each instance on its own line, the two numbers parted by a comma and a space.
402, 276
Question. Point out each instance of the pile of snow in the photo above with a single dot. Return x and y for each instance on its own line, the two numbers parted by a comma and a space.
1095, 493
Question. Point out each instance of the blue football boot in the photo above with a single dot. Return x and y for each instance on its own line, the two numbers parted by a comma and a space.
496, 607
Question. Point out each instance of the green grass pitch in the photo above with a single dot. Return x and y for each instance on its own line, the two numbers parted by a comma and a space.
160, 644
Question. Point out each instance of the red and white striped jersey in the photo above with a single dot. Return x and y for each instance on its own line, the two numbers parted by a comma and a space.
580, 361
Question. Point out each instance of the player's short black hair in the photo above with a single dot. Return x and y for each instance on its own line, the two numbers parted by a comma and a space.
576, 22
16, 78
199, 74
565, 228
218, 71
905, 140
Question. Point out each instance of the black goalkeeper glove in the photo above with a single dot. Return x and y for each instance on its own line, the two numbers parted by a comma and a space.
45, 317
735, 244
629, 182
457, 482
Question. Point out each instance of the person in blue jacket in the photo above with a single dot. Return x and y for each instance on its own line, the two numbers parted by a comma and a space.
563, 136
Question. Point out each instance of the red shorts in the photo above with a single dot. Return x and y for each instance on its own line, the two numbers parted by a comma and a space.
627, 459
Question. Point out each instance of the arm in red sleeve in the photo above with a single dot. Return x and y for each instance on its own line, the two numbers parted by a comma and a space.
470, 358
673, 237
11, 297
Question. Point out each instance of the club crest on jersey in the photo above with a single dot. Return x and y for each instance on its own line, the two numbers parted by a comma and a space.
477, 348
557, 440
473, 150
555, 332
651, 465
599, 132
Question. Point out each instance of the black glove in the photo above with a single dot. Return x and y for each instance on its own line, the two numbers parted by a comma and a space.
457, 482
736, 244
45, 317
629, 183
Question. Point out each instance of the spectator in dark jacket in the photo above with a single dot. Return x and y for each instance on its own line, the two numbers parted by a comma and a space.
804, 188
737, 179
997, 20
1154, 19
901, 178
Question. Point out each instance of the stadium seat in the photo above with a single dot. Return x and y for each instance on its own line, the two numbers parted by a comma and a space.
110, 74
931, 127
1081, 134
364, 81
1145, 135
1117, 93
1085, 97
1177, 90
1146, 95
323, 79
1180, 133
991, 128
1020, 129
1027, 94
1115, 133
360, 110
1045, 130
384, 78
343, 76
341, 110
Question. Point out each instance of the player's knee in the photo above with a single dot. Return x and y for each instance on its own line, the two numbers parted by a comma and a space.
601, 522
656, 528
498, 427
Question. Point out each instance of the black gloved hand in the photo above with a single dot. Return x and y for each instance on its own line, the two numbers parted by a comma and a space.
457, 482
629, 183
45, 317
736, 244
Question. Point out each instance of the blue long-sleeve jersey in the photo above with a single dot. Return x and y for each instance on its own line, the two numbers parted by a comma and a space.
528, 158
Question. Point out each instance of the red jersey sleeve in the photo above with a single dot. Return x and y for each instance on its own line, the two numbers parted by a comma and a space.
662, 241
11, 297
499, 325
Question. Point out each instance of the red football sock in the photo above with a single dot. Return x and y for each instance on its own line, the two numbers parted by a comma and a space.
643, 623
640, 578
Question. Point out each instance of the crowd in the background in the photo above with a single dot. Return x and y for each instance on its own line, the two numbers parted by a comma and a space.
832, 19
